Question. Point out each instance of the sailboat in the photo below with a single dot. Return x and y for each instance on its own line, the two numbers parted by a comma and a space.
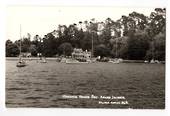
21, 62
43, 60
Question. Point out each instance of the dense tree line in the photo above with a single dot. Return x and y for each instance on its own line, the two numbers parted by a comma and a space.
135, 36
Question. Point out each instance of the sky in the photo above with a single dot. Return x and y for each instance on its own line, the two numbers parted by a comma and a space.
44, 19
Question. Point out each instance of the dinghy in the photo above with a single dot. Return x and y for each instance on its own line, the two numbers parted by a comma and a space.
21, 63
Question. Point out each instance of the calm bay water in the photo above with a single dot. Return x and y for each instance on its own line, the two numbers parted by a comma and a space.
43, 84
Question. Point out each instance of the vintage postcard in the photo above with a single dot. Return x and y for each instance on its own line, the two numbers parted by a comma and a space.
85, 57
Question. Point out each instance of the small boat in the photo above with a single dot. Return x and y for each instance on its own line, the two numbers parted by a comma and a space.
115, 61
63, 60
152, 61
21, 64
73, 61
146, 61
43, 61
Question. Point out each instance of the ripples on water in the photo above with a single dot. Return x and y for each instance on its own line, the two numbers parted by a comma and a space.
39, 84
42, 84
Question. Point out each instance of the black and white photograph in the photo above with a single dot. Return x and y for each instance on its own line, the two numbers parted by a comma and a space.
103, 57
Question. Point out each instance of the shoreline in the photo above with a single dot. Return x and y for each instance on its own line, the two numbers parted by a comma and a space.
32, 58
55, 59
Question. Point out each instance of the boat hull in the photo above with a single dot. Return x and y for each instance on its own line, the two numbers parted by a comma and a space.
20, 65
75, 62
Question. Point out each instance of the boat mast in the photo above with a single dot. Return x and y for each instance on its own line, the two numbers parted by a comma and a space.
116, 47
92, 47
20, 40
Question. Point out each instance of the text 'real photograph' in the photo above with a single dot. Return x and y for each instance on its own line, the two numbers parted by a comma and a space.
85, 57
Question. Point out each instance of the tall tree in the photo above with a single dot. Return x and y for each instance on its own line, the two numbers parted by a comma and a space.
65, 49
12, 49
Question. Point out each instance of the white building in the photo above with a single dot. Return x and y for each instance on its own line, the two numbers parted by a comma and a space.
79, 54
